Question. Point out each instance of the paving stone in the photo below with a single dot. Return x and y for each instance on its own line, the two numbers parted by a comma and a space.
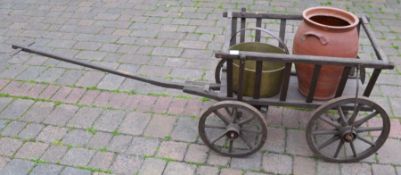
275, 140
383, 169
160, 126
49, 92
185, 130
31, 73
110, 82
164, 51
85, 117
327, 168
31, 150
277, 163
126, 164
77, 157
46, 169
17, 167
13, 128
178, 168
207, 170
4, 102
216, 159
143, 146
31, 131
172, 150
304, 166
91, 55
109, 120
69, 77
77, 137
61, 114
193, 44
90, 78
252, 162
135, 123
74, 171
3, 161
51, 133
120, 143
89, 97
3, 124
38, 112
50, 75
9, 146
389, 152
102, 160
152, 166
16, 109
296, 143
54, 153
356, 168
196, 153
229, 171
100, 140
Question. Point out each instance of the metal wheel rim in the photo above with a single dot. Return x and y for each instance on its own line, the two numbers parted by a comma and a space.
361, 155
257, 115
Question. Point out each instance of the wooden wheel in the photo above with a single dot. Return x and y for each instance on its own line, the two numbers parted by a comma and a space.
347, 129
233, 128
218, 70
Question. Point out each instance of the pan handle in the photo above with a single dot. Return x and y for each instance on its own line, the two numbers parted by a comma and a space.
265, 31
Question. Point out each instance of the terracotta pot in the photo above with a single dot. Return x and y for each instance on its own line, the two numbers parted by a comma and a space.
325, 31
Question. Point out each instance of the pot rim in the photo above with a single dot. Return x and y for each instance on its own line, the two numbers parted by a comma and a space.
352, 19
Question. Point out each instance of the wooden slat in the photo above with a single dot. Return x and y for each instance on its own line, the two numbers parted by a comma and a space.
372, 82
343, 81
241, 82
258, 79
312, 88
243, 24
233, 38
283, 24
229, 79
285, 82
264, 16
258, 32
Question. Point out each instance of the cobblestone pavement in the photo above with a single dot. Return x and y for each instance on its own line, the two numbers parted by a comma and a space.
56, 118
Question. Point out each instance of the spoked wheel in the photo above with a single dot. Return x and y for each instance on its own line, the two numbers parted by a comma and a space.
218, 71
233, 128
347, 129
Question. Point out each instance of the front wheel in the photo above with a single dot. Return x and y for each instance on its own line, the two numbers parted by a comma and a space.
233, 128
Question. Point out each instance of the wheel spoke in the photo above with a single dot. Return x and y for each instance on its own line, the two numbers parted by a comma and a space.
221, 117
326, 132
329, 121
228, 111
237, 117
246, 120
365, 119
359, 130
353, 148
218, 138
354, 115
215, 127
365, 140
338, 148
342, 116
246, 142
328, 142
230, 147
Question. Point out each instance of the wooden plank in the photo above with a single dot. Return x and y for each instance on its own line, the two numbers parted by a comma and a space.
372, 82
264, 16
233, 38
313, 85
241, 82
258, 79
343, 81
283, 24
229, 79
285, 82
306, 59
243, 24
258, 32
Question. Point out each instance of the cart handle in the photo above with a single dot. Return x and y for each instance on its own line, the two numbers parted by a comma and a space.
265, 31
161, 83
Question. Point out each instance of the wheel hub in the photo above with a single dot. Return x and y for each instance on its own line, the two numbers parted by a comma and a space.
232, 131
348, 135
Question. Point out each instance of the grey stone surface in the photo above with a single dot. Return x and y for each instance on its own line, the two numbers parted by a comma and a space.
9, 146
100, 140
74, 171
185, 130
16, 109
196, 153
31, 150
160, 126
152, 166
143, 146
77, 137
134, 123
17, 167
77, 157
178, 168
54, 153
31, 131
52, 133
109, 120
85, 117
46, 169
277, 163
172, 150
126, 164
120, 143
102, 160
